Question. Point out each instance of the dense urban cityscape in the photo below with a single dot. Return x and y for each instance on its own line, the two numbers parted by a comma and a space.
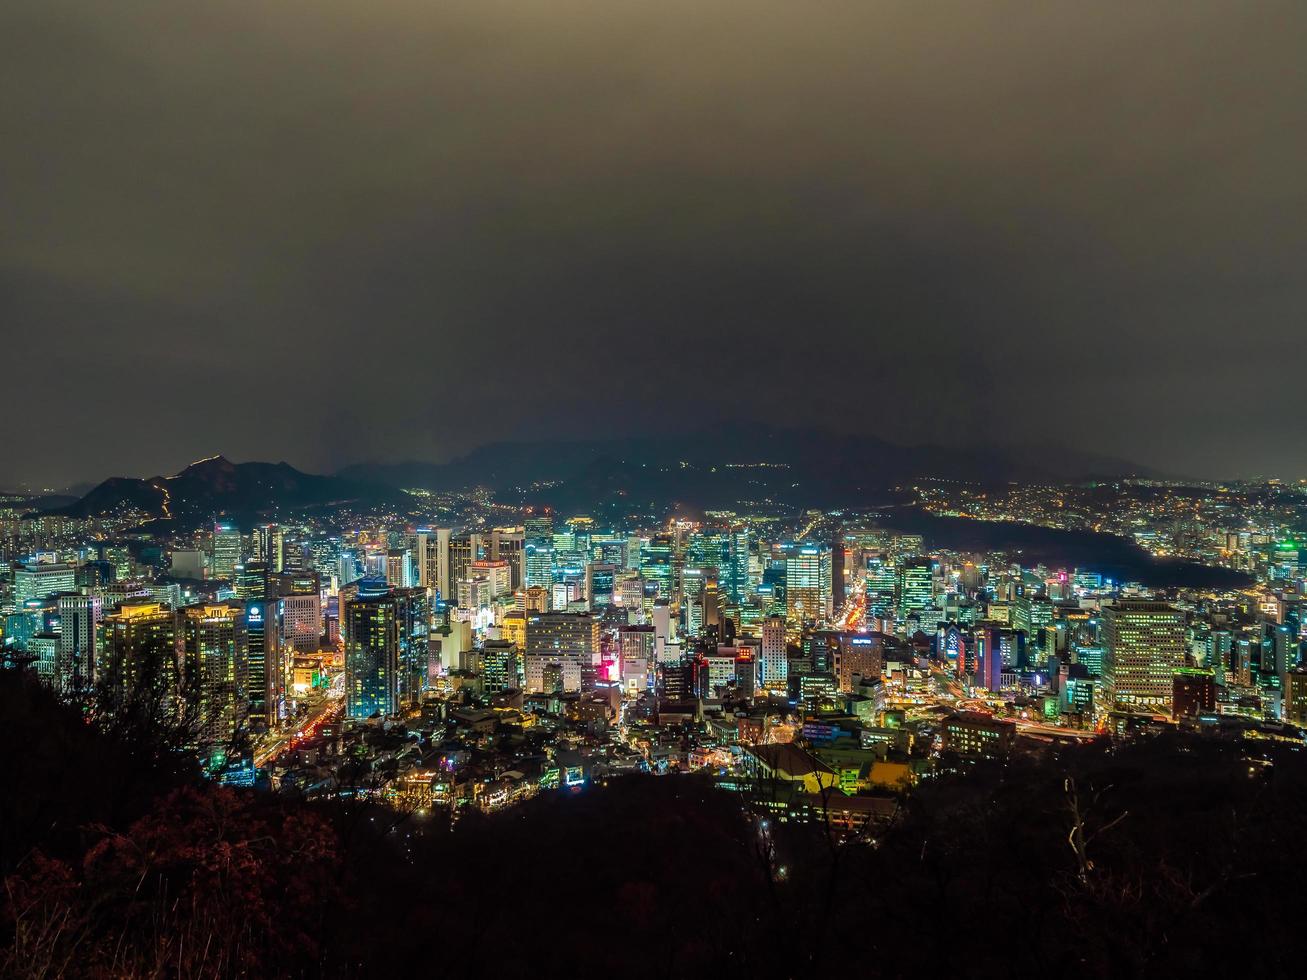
731, 488
433, 654
469, 654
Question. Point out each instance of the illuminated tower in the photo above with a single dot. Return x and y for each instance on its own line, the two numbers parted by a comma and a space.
140, 654
808, 596
215, 669
385, 633
774, 662
226, 551
916, 584
1144, 648
266, 679
79, 624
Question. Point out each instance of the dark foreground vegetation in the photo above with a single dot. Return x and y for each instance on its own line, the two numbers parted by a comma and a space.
1165, 857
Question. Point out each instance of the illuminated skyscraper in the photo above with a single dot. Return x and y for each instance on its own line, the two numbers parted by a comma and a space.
79, 625
215, 669
251, 580
656, 564
301, 610
385, 633
267, 662
774, 660
268, 546
140, 653
881, 586
600, 579
1143, 650
808, 596
226, 551
568, 639
916, 590
501, 667
1295, 698
509, 546
538, 545
40, 581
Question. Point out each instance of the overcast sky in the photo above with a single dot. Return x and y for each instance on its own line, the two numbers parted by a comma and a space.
326, 231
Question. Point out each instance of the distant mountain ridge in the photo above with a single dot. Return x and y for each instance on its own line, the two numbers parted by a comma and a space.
716, 468
218, 486
723, 468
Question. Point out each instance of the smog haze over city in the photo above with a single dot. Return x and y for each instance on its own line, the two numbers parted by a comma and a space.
722, 488
321, 230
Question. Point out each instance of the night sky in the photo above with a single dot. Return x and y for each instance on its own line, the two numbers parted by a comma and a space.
327, 231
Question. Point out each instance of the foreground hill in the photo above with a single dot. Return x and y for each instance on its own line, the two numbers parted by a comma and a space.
138, 868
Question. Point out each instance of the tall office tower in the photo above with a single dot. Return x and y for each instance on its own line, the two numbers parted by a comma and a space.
692, 605
1283, 643
140, 654
226, 551
301, 611
539, 526
268, 546
215, 669
837, 566
1030, 614
538, 547
501, 667
628, 592
861, 655
442, 581
266, 666
425, 547
1295, 698
251, 582
400, 570
656, 564
774, 661
79, 624
416, 545
989, 657
808, 597
539, 564
733, 569
568, 639
882, 582
509, 545
499, 575
636, 643
1144, 648
916, 586
385, 632
40, 581
611, 550
475, 593
295, 555
463, 550
661, 617
600, 583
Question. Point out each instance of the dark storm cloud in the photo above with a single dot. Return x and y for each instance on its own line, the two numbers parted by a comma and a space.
324, 231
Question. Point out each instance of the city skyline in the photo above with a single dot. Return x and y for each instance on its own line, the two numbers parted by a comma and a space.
329, 234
